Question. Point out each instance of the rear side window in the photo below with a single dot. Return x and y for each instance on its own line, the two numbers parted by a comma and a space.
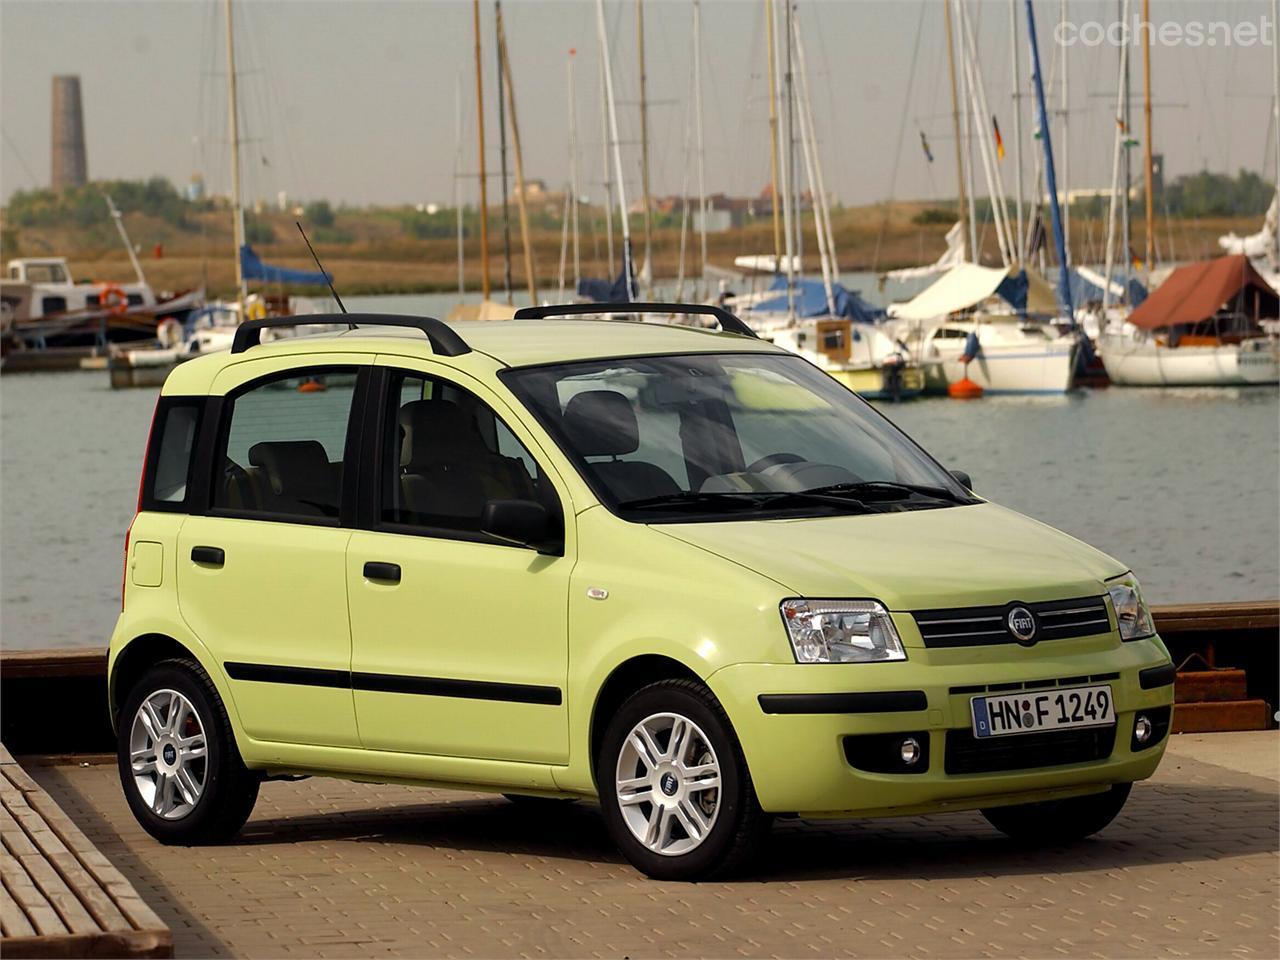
282, 448
173, 442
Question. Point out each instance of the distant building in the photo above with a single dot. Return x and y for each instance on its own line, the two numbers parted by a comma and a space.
195, 188
70, 166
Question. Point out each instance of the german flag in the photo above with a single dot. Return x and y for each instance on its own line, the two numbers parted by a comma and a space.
999, 139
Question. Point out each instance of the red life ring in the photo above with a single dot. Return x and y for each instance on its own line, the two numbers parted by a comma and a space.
113, 299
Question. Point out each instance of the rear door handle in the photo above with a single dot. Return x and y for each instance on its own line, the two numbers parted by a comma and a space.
385, 572
209, 556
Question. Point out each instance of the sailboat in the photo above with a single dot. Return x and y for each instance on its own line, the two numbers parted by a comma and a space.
213, 327
994, 326
1201, 327
823, 322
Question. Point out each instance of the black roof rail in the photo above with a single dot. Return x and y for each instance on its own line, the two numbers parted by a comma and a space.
443, 338
728, 322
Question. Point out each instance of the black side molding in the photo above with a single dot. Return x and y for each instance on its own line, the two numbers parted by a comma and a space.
880, 701
1160, 676
465, 689
396, 683
305, 676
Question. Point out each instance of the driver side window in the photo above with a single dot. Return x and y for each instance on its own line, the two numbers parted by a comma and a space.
446, 455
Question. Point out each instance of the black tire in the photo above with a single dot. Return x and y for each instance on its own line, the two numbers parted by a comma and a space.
739, 823
1059, 821
230, 789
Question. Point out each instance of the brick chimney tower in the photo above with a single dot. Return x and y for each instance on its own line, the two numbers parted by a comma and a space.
70, 165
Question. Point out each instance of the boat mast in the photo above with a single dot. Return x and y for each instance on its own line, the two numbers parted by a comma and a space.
773, 135
1146, 121
604, 144
573, 172
1051, 180
1020, 248
697, 114
124, 238
233, 121
484, 186
955, 126
1066, 142
644, 155
1275, 123
790, 213
502, 153
1120, 137
813, 162
457, 181
985, 137
628, 266
522, 204
1126, 163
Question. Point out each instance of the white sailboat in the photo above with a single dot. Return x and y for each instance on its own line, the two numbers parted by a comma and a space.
963, 325
1202, 327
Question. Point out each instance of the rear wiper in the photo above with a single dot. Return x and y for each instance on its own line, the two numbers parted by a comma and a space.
745, 499
892, 486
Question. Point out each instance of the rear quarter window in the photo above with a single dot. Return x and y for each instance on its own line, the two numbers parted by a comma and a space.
167, 480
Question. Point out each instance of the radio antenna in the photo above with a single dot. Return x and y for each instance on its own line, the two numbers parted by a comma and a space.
328, 277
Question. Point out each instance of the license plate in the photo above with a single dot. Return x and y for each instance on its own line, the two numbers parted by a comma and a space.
1035, 711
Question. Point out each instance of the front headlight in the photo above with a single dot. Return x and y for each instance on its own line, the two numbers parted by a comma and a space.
841, 631
1131, 610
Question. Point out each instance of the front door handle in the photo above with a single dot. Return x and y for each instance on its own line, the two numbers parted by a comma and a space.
209, 556
385, 572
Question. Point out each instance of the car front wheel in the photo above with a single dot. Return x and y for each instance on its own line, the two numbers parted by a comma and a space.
674, 788
1059, 821
179, 765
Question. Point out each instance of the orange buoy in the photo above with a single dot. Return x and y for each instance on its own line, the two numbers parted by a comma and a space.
311, 386
964, 389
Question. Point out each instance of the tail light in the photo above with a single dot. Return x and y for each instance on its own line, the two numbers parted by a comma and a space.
142, 479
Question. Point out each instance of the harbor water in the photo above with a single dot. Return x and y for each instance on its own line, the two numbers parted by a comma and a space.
1181, 484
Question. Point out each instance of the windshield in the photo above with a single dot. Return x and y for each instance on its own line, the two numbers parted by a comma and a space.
724, 436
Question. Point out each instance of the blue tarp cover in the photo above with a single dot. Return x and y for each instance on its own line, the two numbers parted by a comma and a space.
811, 301
254, 269
605, 291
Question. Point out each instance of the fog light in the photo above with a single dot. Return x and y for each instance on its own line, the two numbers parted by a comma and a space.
909, 751
1142, 729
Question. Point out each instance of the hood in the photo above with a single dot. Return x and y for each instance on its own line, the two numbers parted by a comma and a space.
952, 557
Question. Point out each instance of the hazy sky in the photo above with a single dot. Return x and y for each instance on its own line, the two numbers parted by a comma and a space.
356, 101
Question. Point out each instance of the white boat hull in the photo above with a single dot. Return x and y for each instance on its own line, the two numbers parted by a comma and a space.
1145, 363
1016, 368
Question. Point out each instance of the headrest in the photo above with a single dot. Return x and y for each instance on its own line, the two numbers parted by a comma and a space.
601, 423
298, 469
435, 430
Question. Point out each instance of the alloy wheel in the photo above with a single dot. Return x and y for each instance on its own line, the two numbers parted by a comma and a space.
168, 754
668, 784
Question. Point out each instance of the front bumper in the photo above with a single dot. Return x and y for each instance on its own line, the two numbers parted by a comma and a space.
798, 760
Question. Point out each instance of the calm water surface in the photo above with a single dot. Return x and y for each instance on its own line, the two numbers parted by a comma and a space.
1182, 484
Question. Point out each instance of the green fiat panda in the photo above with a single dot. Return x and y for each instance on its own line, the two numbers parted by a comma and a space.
672, 568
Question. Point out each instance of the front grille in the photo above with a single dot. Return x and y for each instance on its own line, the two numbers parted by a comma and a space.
966, 753
981, 626
1034, 684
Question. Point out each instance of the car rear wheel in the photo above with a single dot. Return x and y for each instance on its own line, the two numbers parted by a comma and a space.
674, 788
179, 765
1059, 821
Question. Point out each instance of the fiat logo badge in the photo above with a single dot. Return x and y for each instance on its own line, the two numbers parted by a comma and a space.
1022, 625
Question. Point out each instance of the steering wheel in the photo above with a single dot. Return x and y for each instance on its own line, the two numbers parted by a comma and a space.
773, 460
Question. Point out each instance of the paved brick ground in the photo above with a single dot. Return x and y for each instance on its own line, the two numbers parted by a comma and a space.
325, 868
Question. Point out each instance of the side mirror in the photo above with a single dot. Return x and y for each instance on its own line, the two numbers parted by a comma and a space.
521, 522
965, 480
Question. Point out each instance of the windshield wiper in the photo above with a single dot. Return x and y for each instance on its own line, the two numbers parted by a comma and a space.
745, 499
891, 486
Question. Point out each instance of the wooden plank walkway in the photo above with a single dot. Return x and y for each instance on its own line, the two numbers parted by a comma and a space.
60, 897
